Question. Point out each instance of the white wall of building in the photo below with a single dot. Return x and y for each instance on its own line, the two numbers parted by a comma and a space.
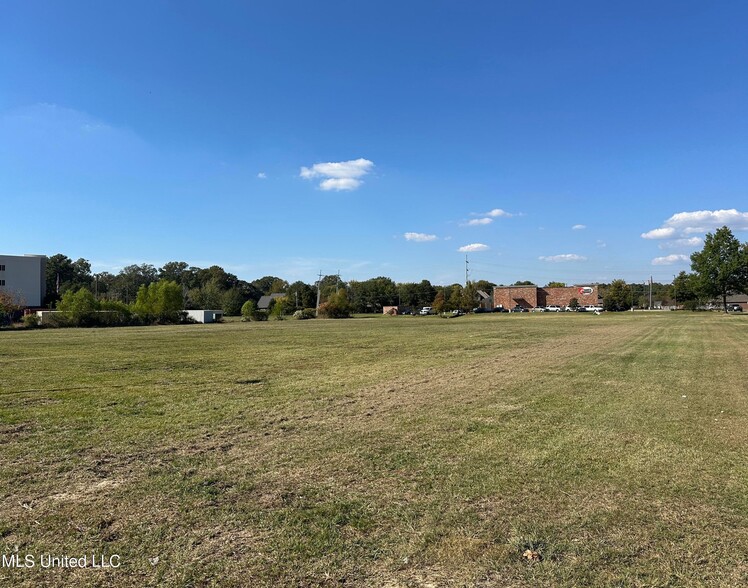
205, 316
24, 278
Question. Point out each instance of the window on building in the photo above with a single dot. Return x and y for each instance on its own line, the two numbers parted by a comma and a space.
2, 282
2, 267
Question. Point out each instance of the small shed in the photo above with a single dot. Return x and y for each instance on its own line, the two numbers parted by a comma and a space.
205, 316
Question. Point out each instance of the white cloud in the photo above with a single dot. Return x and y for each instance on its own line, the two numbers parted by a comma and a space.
341, 175
601, 244
339, 184
682, 243
670, 259
495, 213
699, 221
476, 222
473, 247
562, 258
663, 233
578, 227
419, 237
262, 175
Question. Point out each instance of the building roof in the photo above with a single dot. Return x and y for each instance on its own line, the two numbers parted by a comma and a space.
264, 302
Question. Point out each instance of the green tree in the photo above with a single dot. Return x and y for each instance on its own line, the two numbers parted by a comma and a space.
159, 301
468, 300
231, 301
426, 293
523, 283
265, 284
685, 291
407, 293
617, 296
176, 271
573, 303
130, 279
302, 295
63, 274
454, 301
556, 285
722, 265
79, 307
249, 308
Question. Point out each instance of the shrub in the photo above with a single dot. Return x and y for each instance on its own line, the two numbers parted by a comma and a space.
160, 302
30, 321
248, 309
307, 313
78, 307
337, 306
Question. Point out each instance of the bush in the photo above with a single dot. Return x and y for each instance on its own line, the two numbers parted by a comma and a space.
248, 309
337, 306
30, 321
250, 312
307, 313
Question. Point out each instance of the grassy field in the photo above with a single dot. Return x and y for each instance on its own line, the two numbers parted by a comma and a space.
388, 451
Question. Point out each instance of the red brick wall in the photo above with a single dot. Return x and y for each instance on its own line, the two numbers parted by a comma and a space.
526, 296
532, 296
562, 296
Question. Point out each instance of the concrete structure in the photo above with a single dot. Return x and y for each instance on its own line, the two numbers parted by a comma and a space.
534, 296
205, 316
46, 316
24, 278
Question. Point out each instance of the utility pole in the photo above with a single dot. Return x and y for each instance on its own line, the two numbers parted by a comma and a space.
650, 292
337, 282
319, 285
632, 296
466, 270
675, 292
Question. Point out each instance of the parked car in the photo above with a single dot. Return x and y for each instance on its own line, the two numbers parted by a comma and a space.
581, 309
734, 308
519, 308
457, 312
538, 309
480, 310
552, 308
425, 310
500, 309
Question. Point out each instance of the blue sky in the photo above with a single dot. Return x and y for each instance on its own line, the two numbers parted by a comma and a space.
287, 138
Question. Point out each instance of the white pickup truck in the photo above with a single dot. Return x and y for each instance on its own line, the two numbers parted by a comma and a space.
425, 310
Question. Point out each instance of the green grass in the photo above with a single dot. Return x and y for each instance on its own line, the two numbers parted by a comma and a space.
395, 451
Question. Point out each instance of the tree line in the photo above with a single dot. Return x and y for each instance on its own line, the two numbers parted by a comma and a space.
717, 271
721, 268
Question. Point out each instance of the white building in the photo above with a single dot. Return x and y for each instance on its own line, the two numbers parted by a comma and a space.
205, 316
24, 278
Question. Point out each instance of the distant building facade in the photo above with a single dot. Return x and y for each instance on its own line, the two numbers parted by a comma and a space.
24, 278
535, 296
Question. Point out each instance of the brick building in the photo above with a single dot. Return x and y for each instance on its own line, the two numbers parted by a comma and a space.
534, 296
